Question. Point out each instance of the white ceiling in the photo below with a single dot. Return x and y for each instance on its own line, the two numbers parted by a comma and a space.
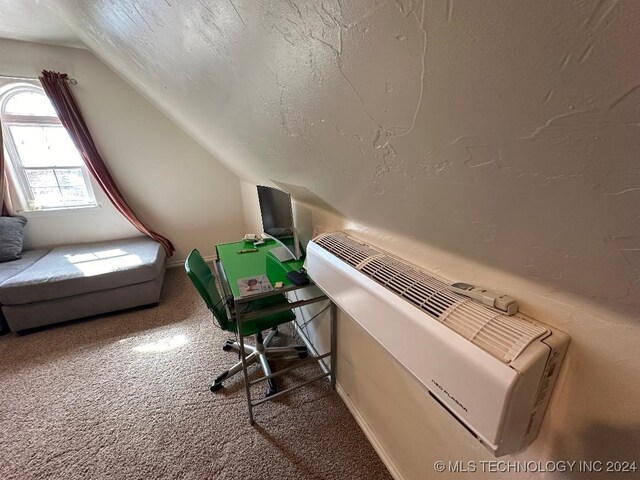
32, 21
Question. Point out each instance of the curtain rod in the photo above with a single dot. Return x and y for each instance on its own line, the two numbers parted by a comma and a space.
72, 81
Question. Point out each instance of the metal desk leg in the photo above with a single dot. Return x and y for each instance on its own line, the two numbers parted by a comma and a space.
244, 369
334, 353
334, 344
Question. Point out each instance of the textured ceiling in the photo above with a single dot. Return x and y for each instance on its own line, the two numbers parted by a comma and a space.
506, 131
32, 21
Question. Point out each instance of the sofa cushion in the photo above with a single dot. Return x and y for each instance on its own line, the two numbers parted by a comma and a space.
11, 269
77, 269
11, 237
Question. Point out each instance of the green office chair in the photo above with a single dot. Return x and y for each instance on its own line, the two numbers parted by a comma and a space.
204, 281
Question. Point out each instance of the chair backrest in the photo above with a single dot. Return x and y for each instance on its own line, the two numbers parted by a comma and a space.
202, 278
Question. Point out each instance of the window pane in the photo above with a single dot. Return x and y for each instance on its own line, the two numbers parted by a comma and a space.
44, 146
77, 195
30, 103
41, 178
58, 187
47, 196
70, 177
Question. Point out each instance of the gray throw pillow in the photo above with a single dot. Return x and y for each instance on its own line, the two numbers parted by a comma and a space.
11, 236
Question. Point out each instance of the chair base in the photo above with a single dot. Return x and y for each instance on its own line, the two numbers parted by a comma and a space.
258, 353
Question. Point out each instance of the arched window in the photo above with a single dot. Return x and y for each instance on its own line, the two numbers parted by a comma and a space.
47, 170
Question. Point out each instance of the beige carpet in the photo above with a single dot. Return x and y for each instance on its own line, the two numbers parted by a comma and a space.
126, 396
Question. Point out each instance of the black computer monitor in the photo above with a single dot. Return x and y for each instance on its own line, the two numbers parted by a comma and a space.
277, 218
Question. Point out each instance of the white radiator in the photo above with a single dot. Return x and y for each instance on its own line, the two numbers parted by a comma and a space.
493, 373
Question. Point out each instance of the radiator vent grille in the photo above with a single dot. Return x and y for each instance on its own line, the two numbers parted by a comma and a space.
425, 292
346, 248
502, 336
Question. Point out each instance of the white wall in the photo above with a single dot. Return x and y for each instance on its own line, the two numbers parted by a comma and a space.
175, 186
494, 142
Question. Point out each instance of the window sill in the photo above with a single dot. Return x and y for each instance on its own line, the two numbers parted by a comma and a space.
55, 212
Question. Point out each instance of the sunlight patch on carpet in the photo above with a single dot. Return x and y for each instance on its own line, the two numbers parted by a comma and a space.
163, 345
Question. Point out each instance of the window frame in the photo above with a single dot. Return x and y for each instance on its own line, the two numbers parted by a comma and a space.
19, 177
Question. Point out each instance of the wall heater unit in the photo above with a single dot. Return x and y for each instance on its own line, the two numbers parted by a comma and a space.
493, 373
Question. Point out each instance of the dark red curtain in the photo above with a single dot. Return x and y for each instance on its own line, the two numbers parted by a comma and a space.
58, 91
4, 193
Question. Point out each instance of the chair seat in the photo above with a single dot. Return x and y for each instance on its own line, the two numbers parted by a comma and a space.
251, 327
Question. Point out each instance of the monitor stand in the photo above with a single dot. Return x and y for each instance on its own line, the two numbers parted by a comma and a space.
282, 253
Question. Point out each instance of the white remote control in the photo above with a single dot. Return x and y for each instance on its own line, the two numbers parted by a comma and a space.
491, 298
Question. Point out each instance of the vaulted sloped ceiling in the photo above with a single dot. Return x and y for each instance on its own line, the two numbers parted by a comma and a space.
506, 131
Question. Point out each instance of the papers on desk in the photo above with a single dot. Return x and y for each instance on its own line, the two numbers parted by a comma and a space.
254, 285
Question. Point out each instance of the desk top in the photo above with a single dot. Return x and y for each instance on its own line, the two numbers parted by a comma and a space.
240, 265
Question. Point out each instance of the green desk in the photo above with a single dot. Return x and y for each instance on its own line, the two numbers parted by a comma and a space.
230, 266
241, 265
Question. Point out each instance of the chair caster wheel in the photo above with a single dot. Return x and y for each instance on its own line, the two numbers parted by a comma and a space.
228, 345
272, 389
215, 387
226, 348
302, 355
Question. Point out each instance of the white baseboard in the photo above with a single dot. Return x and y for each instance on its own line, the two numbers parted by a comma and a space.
368, 431
180, 263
